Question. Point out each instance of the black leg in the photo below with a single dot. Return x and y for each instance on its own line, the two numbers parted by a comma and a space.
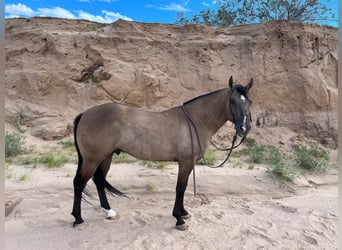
78, 189
83, 174
179, 211
99, 177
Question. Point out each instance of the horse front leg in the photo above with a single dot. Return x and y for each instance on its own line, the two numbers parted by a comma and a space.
179, 211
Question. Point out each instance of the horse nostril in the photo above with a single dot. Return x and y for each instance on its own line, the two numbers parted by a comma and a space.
243, 128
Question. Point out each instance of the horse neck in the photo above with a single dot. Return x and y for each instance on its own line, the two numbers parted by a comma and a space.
210, 111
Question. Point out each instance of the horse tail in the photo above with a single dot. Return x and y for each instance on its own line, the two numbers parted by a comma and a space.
80, 159
100, 179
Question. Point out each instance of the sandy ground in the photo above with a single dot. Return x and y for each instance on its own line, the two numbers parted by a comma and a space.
236, 208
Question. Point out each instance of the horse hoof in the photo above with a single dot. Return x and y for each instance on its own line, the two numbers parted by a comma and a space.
186, 217
76, 223
182, 227
112, 215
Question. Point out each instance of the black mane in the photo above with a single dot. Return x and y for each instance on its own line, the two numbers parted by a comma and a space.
201, 96
241, 89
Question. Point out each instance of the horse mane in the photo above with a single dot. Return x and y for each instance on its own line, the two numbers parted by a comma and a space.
241, 89
202, 96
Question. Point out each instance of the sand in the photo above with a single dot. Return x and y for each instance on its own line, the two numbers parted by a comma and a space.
235, 208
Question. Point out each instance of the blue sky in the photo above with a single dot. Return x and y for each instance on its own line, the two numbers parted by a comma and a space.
107, 11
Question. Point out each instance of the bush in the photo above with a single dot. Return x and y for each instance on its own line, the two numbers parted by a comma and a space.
155, 164
256, 153
67, 144
53, 159
279, 164
312, 157
13, 144
123, 158
209, 158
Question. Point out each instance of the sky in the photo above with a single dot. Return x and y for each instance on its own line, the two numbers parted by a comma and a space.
108, 11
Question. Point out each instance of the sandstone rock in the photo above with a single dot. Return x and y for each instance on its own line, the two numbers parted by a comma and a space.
50, 128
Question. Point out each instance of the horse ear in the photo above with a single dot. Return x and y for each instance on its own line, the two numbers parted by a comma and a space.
231, 82
250, 84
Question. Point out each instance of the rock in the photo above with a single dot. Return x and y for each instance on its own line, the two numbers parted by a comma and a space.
50, 128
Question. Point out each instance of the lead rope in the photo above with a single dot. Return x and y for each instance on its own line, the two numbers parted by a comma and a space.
189, 122
227, 149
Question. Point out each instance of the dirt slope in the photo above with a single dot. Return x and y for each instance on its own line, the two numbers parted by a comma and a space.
56, 68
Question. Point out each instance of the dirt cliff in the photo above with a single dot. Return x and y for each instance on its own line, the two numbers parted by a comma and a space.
56, 68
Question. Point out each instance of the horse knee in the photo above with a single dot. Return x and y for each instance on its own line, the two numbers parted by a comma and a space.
79, 185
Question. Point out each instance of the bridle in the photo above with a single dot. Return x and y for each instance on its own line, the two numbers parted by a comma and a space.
190, 122
233, 146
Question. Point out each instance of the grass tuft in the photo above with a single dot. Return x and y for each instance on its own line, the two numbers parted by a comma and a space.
14, 143
123, 158
312, 157
155, 164
53, 159
208, 159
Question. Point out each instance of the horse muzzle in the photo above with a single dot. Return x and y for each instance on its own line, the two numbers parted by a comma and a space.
242, 130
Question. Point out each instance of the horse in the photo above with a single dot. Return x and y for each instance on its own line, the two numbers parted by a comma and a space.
112, 128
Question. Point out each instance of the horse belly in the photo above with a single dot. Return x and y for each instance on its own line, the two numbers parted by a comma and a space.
148, 145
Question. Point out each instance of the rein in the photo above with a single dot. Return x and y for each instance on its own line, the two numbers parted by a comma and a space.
191, 122
227, 149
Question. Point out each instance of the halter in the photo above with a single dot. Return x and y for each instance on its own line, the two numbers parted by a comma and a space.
190, 122
234, 138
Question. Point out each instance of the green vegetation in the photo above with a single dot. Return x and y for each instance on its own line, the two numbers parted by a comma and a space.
53, 159
312, 157
67, 144
251, 166
155, 164
285, 165
14, 143
123, 158
22, 175
256, 153
209, 158
288, 166
150, 186
228, 12
279, 165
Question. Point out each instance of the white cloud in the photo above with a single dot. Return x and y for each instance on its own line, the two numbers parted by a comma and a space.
174, 7
205, 4
106, 1
18, 10
116, 15
171, 7
21, 10
108, 16
55, 12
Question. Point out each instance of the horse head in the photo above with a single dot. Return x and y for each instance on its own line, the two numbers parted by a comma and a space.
239, 105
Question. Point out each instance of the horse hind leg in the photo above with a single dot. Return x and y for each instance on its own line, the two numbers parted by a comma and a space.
84, 172
99, 180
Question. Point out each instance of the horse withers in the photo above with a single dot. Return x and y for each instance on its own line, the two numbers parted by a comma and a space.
110, 128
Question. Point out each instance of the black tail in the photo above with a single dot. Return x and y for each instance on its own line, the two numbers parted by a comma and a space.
80, 159
100, 179
112, 189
